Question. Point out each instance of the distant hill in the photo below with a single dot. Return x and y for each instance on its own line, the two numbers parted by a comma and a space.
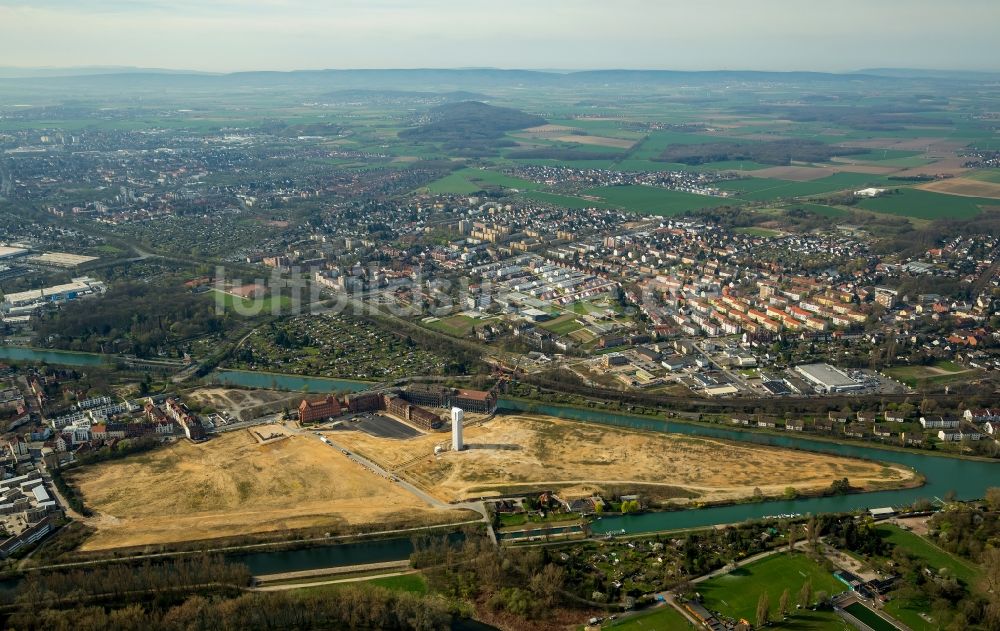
15, 72
407, 83
363, 96
919, 73
471, 127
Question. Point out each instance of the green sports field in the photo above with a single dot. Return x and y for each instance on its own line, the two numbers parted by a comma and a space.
736, 594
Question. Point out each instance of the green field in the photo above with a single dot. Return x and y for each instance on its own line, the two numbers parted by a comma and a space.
757, 232
413, 583
468, 181
566, 201
911, 202
249, 306
662, 619
934, 556
908, 612
764, 189
985, 175
736, 594
914, 376
652, 200
457, 325
562, 325
820, 209
869, 617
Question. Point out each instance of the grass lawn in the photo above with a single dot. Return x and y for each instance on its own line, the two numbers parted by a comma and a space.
249, 306
413, 583
934, 556
911, 202
908, 612
653, 200
662, 618
736, 594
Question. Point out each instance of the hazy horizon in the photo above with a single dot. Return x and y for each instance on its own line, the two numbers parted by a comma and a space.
283, 35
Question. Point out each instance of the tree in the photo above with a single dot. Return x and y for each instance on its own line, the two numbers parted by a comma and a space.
783, 603
989, 584
806, 593
993, 498
763, 610
792, 536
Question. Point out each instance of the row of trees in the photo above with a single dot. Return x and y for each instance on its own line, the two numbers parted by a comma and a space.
349, 608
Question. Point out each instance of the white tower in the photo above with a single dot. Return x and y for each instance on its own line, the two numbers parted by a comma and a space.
457, 414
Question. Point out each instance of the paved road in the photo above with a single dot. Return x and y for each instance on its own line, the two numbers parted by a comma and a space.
287, 586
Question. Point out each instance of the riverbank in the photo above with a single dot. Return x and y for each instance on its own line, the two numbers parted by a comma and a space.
601, 407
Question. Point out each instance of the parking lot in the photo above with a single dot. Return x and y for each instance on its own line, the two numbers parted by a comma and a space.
378, 425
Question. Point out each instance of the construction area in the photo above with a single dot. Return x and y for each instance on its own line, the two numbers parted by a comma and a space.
508, 453
266, 479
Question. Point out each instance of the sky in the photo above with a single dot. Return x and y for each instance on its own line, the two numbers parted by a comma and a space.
232, 35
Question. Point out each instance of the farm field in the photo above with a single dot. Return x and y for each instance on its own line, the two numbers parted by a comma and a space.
736, 594
652, 200
764, 189
964, 187
985, 175
233, 485
523, 450
912, 202
567, 201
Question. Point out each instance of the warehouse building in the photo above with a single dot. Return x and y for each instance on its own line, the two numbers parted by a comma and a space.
828, 379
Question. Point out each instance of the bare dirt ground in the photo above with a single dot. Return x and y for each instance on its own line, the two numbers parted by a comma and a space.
232, 485
963, 187
581, 458
244, 404
916, 525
